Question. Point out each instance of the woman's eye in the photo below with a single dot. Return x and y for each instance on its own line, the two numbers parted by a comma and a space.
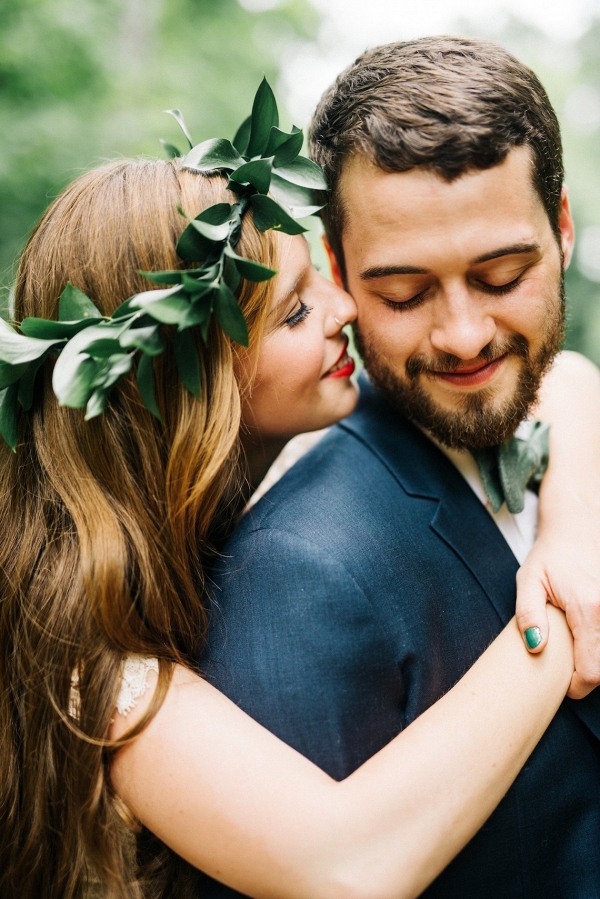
299, 316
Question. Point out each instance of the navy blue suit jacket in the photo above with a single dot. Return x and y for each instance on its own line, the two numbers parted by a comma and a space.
352, 597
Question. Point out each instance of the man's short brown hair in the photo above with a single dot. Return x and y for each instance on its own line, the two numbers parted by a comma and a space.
449, 104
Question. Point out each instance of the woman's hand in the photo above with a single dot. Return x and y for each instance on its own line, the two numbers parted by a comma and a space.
563, 568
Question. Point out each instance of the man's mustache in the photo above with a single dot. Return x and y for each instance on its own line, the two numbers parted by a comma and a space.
416, 365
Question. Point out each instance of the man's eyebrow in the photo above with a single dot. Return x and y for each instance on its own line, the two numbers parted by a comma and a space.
384, 271
515, 249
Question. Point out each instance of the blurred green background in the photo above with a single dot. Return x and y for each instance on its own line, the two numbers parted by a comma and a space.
82, 81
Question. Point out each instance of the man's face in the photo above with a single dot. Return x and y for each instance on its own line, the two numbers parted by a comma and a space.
459, 292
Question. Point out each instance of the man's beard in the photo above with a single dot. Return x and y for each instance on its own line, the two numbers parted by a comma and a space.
474, 423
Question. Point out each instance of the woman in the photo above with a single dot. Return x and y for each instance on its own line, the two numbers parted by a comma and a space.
108, 527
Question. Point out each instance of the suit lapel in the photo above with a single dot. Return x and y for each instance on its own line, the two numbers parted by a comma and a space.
459, 518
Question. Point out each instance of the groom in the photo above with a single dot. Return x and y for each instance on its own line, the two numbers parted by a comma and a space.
372, 575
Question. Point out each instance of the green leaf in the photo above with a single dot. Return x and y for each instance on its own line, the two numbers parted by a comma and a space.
186, 358
74, 305
171, 151
242, 136
197, 314
103, 348
178, 116
146, 339
9, 415
194, 287
27, 383
264, 117
96, 404
124, 309
15, 348
11, 373
301, 201
250, 270
165, 306
231, 275
257, 173
268, 214
217, 214
230, 316
304, 172
112, 369
277, 138
211, 232
191, 246
145, 382
72, 381
46, 329
161, 278
213, 154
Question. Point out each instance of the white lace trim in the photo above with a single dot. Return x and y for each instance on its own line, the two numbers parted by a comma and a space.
134, 683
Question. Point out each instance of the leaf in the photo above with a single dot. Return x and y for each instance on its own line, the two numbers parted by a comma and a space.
124, 309
46, 329
250, 270
178, 116
211, 232
173, 277
9, 416
242, 136
277, 138
72, 381
300, 201
217, 214
103, 348
257, 173
112, 370
304, 172
264, 117
194, 287
171, 151
11, 373
230, 316
75, 371
186, 358
74, 305
27, 383
210, 155
268, 214
145, 382
191, 246
150, 298
169, 311
15, 348
146, 339
96, 404
231, 275
197, 314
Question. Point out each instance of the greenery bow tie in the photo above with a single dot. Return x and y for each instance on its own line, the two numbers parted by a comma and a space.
508, 469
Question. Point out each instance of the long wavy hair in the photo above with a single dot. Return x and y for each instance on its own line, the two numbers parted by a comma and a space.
107, 527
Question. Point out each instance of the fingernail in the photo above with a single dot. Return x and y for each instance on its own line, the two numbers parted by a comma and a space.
533, 637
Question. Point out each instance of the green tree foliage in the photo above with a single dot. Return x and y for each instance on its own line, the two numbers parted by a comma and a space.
86, 80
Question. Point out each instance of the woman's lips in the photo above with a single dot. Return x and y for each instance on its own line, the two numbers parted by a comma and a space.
472, 377
344, 366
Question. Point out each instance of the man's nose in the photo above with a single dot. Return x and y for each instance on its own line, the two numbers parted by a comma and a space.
461, 325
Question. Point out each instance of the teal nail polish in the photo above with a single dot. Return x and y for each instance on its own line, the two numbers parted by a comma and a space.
533, 637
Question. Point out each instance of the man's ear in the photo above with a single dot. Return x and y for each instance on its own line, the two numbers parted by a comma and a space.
566, 226
336, 273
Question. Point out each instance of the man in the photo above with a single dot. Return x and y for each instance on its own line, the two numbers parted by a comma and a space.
372, 576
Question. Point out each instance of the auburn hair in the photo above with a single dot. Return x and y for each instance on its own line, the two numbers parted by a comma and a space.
107, 527
449, 104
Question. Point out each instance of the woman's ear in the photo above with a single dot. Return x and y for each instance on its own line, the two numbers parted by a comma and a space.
567, 227
336, 273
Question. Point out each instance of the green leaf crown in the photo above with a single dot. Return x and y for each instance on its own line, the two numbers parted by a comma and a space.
268, 176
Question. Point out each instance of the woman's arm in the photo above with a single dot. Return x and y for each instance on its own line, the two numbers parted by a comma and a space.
564, 565
243, 806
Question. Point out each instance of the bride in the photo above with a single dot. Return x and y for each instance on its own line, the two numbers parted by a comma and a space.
119, 765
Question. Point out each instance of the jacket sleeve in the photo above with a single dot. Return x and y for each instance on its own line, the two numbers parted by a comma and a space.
296, 644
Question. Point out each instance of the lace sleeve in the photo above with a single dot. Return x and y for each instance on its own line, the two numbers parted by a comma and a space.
134, 683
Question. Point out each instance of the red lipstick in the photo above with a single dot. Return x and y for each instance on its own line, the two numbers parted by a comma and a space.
343, 367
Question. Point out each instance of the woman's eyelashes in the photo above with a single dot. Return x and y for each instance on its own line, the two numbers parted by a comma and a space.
299, 315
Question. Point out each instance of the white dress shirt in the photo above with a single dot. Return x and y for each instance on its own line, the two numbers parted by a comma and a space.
518, 530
